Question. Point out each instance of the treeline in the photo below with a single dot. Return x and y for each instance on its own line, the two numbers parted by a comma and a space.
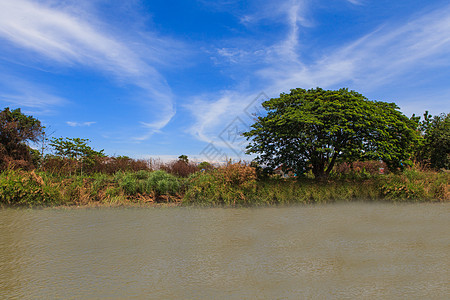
69, 156
430, 150
73, 173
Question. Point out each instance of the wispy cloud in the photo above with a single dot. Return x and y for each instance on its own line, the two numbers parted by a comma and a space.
384, 56
79, 124
32, 97
356, 2
65, 38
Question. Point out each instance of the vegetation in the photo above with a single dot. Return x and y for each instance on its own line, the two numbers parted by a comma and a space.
314, 129
16, 129
434, 151
231, 185
358, 149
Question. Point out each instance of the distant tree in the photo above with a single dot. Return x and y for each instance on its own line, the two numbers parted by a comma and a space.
76, 149
16, 131
313, 129
204, 165
435, 148
73, 148
183, 158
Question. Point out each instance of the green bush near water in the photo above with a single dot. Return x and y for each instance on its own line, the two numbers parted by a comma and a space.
145, 182
234, 184
20, 188
415, 185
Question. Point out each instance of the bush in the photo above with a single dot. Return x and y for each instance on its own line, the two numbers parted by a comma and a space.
416, 185
144, 182
180, 168
359, 169
107, 165
234, 184
163, 183
20, 188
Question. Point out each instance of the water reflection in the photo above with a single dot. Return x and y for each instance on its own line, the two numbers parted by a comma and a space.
345, 251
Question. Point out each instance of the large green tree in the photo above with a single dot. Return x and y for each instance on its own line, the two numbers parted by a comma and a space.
16, 131
313, 129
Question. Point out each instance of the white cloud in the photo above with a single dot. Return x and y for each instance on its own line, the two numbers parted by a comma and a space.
221, 119
79, 124
65, 38
356, 2
383, 56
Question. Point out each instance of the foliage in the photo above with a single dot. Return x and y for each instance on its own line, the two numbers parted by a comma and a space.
16, 130
416, 185
20, 188
181, 167
232, 185
144, 182
183, 158
313, 129
228, 185
96, 164
435, 150
358, 169
206, 166
74, 148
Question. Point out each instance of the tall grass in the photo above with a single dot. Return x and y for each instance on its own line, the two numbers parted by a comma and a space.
231, 185
155, 183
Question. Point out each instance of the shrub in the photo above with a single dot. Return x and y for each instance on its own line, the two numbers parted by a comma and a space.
144, 182
206, 166
20, 188
414, 184
180, 168
359, 169
234, 184
163, 183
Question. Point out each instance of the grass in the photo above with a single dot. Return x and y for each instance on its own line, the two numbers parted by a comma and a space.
232, 185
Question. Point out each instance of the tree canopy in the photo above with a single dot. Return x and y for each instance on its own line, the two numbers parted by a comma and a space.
16, 130
313, 129
73, 148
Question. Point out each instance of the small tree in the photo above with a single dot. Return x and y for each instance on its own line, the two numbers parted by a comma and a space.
435, 148
183, 158
313, 129
75, 149
16, 131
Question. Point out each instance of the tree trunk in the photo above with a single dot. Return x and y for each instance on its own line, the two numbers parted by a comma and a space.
332, 162
319, 171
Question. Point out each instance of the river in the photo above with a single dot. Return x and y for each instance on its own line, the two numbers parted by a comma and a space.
343, 251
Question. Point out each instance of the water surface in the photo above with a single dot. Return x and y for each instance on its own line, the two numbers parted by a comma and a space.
345, 251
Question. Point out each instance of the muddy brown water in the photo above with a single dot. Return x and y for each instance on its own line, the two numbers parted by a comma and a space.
340, 251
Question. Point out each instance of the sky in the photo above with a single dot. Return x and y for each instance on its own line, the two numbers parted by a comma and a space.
161, 78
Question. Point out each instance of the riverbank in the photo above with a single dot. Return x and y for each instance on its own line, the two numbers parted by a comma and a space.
232, 185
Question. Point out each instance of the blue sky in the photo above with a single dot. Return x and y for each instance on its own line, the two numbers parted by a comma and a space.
164, 78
